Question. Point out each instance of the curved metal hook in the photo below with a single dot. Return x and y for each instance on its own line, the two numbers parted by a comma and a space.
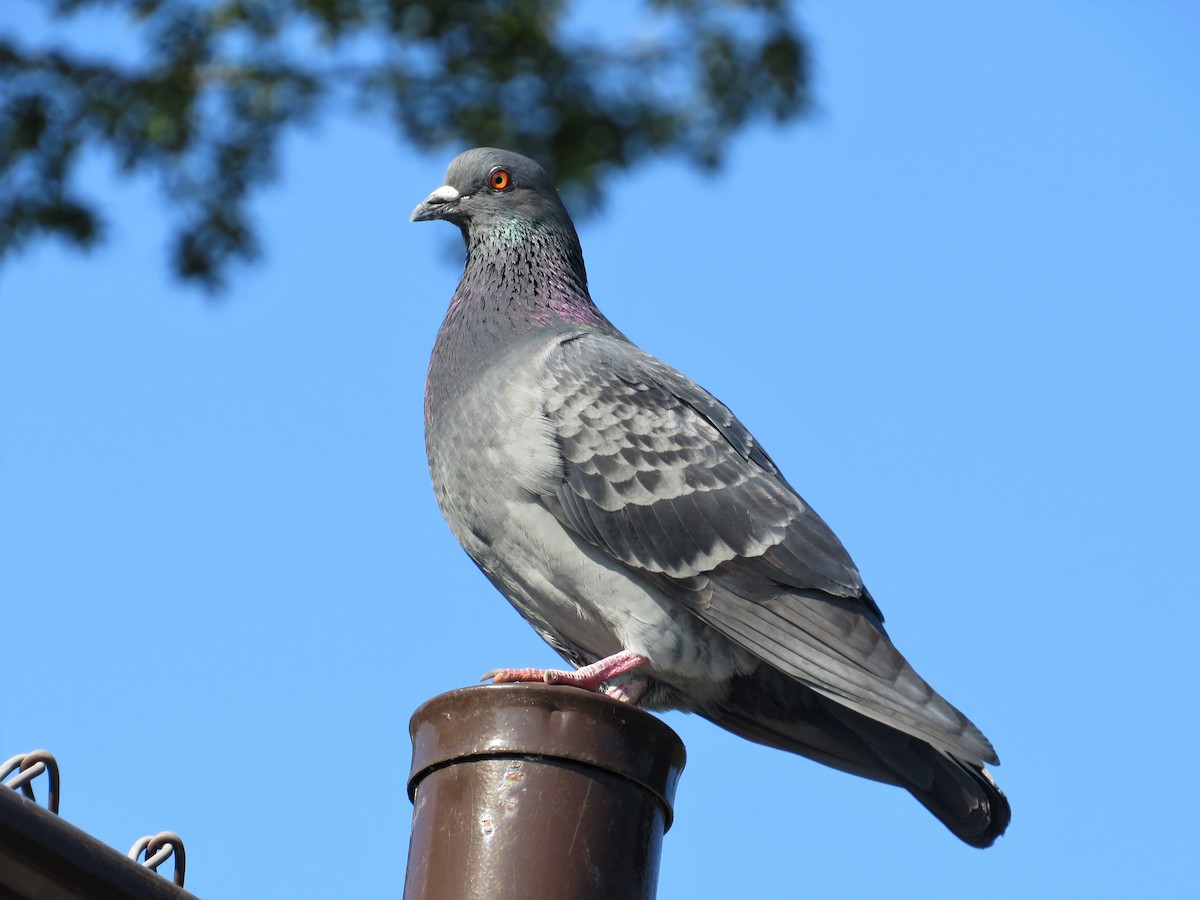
32, 765
159, 849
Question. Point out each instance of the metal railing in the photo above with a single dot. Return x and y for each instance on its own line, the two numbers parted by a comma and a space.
44, 855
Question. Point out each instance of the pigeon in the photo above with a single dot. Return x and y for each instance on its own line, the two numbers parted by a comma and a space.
640, 528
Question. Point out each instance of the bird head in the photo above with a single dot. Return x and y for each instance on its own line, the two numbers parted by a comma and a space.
486, 187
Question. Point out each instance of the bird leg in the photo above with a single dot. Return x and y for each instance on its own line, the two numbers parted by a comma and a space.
588, 677
628, 689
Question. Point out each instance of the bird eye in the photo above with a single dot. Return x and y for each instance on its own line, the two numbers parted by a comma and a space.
499, 180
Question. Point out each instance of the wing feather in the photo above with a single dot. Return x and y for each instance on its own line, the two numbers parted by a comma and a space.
661, 476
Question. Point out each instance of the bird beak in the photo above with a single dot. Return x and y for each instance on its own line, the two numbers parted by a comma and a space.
436, 205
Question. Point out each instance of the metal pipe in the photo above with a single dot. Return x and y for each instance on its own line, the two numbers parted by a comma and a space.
43, 857
538, 792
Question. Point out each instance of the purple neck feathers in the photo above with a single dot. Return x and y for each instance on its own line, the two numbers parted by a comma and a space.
519, 279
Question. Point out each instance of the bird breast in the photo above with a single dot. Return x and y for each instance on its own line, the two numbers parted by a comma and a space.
492, 455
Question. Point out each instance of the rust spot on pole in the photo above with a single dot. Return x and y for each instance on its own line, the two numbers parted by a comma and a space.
537, 792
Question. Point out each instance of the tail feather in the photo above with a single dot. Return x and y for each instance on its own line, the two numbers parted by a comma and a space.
770, 708
959, 792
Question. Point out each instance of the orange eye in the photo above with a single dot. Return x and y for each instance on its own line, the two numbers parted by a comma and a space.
500, 180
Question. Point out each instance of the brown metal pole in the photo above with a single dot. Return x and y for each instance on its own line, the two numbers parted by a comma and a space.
538, 792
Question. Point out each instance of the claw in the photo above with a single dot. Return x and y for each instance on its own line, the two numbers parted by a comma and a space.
506, 676
589, 677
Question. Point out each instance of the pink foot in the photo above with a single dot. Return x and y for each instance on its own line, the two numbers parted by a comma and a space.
589, 677
629, 690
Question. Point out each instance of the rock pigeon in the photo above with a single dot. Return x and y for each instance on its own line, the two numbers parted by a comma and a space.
641, 529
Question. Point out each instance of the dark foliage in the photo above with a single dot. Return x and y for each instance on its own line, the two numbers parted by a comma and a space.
206, 102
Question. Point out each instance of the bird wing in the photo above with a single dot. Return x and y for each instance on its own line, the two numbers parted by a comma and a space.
660, 475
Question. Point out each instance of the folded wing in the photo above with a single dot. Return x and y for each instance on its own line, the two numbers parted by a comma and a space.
663, 477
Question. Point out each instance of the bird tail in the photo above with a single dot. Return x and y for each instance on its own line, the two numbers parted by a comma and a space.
965, 799
789, 716
960, 793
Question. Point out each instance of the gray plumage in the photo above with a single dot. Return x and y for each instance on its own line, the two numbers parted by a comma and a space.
621, 507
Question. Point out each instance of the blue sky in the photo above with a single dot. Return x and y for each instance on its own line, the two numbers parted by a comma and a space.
961, 308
